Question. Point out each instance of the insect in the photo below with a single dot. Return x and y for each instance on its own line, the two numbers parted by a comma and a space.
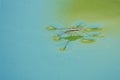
81, 31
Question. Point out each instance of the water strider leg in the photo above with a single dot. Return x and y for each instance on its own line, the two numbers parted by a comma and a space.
65, 46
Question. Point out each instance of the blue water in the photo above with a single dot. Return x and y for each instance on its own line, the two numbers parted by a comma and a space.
28, 53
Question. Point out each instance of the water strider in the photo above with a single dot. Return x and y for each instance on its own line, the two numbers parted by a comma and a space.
83, 32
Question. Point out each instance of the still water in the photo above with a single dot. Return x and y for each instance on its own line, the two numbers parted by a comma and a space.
28, 52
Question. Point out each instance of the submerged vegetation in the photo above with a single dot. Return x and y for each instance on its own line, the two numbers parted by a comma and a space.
81, 31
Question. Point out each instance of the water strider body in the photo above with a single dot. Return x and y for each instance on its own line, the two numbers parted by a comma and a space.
73, 30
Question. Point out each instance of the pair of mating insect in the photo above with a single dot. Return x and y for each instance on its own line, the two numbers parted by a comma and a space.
84, 33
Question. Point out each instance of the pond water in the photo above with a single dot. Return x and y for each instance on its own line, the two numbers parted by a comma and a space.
29, 53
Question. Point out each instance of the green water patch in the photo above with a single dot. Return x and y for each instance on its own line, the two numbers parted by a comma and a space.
105, 12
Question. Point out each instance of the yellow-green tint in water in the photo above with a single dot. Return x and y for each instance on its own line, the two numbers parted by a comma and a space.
104, 12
